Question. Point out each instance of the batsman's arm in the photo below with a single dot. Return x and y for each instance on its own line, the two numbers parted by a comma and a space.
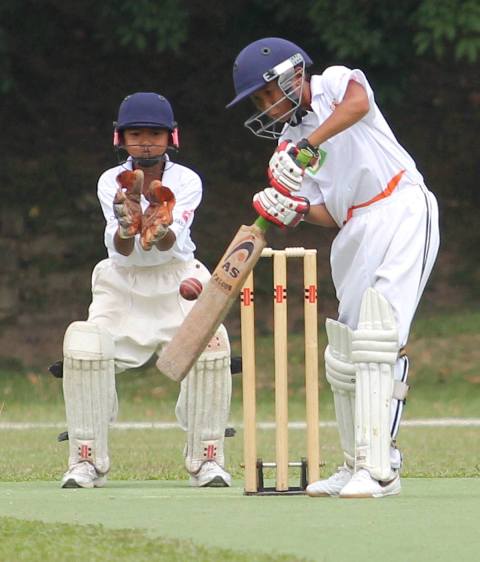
349, 111
319, 215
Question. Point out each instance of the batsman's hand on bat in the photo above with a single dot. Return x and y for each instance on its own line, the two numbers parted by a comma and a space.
282, 210
158, 215
287, 165
126, 203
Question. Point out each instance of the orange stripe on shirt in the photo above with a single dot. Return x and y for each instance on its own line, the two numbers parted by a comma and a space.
392, 184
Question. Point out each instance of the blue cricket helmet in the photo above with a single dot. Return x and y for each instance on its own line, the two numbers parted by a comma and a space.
145, 109
253, 67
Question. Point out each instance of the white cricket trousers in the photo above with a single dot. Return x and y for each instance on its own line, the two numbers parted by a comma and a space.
390, 246
141, 306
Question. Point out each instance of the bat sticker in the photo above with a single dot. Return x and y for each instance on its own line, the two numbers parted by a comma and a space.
248, 246
239, 255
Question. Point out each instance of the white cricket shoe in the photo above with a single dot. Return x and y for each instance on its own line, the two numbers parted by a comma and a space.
211, 475
83, 475
362, 485
331, 486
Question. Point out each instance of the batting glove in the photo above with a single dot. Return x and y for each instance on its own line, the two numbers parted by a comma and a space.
287, 165
282, 210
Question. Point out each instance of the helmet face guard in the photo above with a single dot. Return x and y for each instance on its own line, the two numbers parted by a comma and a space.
262, 62
290, 76
173, 136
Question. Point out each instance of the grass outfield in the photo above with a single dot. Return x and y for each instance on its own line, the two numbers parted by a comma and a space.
152, 454
149, 512
444, 353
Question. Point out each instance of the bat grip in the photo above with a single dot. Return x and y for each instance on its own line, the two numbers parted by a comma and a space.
262, 223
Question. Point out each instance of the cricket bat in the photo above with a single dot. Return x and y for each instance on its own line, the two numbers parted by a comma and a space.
208, 312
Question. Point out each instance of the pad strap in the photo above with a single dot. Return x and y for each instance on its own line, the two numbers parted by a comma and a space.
400, 390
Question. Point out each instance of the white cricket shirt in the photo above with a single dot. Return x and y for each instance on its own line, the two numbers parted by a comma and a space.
187, 188
361, 160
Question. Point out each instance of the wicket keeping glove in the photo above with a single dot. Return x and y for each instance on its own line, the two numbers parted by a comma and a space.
126, 203
158, 215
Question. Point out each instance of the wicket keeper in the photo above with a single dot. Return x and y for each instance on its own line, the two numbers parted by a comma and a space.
149, 203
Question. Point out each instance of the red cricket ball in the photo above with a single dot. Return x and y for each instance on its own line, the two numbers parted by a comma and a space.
190, 288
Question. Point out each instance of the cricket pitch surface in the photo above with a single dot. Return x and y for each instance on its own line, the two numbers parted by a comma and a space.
432, 519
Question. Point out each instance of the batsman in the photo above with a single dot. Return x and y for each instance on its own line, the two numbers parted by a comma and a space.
149, 203
338, 164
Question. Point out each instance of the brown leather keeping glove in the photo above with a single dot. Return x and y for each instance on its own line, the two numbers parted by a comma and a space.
126, 203
158, 216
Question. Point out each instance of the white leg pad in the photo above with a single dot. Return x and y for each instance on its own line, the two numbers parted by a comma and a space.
374, 353
204, 404
340, 373
89, 392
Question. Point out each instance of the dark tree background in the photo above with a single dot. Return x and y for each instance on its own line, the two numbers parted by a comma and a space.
65, 67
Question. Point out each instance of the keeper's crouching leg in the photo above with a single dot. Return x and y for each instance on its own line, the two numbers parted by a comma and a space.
202, 410
90, 399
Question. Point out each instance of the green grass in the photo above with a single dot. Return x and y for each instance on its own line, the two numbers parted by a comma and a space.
157, 454
444, 379
444, 353
34, 541
445, 376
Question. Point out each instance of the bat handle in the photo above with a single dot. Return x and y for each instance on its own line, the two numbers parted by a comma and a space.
262, 223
